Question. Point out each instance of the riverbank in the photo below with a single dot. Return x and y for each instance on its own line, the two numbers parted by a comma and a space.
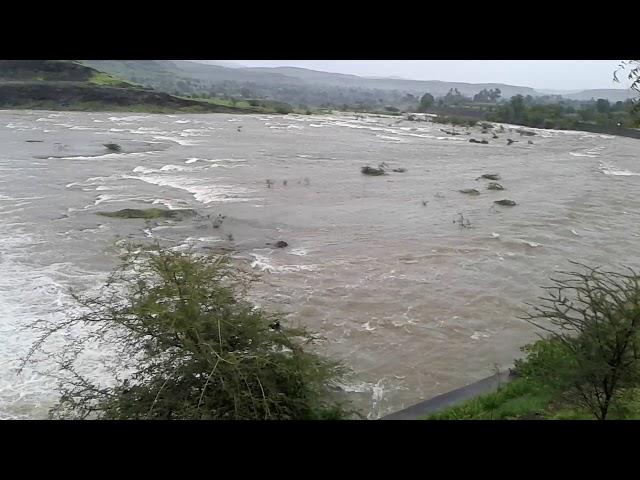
452, 398
69, 86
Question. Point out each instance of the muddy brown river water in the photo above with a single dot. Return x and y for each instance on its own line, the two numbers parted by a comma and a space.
411, 301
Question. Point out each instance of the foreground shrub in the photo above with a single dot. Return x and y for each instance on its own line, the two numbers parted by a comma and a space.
587, 365
592, 353
194, 348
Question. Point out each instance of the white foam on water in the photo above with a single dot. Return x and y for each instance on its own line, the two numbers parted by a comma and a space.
106, 156
358, 387
99, 229
452, 139
104, 198
532, 244
202, 192
174, 168
171, 204
387, 137
100, 180
301, 252
14, 199
186, 133
204, 239
367, 327
30, 292
129, 118
580, 154
611, 170
263, 263
192, 160
142, 169
225, 160
177, 140
479, 335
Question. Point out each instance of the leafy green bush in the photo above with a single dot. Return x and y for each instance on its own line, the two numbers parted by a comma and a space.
514, 400
194, 348
588, 366
592, 319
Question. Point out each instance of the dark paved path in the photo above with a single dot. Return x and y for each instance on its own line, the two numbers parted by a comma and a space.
451, 398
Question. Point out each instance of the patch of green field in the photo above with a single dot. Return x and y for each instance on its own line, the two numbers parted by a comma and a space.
105, 80
520, 398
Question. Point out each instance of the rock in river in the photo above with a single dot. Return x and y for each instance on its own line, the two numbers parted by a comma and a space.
279, 244
491, 176
505, 202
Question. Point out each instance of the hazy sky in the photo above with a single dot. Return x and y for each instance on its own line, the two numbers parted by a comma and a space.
545, 74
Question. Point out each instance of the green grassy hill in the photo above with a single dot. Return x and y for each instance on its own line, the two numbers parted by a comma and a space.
69, 85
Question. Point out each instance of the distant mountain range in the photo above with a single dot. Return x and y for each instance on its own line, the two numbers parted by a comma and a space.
304, 86
435, 87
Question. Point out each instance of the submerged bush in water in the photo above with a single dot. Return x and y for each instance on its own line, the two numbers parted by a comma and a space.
113, 147
506, 202
372, 171
150, 213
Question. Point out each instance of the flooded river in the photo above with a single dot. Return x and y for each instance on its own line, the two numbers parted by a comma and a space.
412, 301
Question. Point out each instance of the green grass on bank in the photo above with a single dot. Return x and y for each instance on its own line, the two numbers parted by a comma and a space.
515, 400
529, 397
97, 106
252, 106
523, 399
105, 80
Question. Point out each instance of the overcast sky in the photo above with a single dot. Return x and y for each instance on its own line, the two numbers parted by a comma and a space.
542, 74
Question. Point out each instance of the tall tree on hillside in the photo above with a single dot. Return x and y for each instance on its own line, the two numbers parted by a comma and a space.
517, 104
482, 96
487, 96
454, 97
602, 105
426, 102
